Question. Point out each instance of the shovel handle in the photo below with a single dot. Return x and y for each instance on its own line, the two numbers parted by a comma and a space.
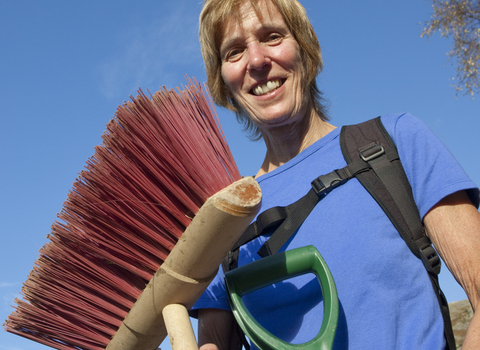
273, 269
179, 328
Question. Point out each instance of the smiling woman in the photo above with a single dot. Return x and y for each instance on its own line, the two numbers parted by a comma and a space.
217, 15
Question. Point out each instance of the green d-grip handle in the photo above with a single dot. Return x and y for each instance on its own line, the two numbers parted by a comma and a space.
273, 269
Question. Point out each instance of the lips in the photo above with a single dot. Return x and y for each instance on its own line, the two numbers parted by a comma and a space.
269, 86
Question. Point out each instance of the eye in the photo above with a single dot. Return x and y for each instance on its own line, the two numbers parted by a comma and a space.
233, 54
274, 38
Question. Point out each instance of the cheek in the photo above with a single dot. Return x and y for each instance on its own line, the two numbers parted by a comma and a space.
231, 77
289, 57
297, 65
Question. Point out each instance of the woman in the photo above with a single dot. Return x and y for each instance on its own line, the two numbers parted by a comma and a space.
262, 58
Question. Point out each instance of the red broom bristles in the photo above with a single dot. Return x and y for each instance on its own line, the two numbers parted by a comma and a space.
161, 158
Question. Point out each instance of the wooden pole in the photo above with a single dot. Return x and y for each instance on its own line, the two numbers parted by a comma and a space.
191, 265
179, 328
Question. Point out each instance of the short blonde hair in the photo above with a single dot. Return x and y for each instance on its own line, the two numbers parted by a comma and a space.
212, 18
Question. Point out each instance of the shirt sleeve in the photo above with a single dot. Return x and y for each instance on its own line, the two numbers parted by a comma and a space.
432, 170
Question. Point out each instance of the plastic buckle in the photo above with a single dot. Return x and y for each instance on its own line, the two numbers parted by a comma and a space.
325, 183
371, 151
431, 259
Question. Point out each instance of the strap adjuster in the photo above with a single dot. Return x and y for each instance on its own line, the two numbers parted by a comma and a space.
371, 151
430, 259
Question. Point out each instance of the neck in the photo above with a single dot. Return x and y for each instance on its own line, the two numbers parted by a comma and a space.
286, 142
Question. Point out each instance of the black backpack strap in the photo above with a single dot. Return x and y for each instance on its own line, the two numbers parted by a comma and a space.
389, 186
296, 215
387, 183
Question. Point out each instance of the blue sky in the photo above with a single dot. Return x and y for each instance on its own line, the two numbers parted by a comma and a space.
66, 66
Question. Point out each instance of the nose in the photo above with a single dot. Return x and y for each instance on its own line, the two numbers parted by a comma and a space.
257, 56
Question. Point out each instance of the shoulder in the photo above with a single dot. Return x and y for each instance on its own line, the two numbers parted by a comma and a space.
404, 125
402, 128
432, 170
413, 137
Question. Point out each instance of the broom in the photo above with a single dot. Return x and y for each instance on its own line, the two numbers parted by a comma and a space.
160, 160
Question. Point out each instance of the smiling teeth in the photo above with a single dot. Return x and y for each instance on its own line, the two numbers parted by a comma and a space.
266, 88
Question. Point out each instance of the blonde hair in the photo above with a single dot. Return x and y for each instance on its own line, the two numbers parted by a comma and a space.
212, 19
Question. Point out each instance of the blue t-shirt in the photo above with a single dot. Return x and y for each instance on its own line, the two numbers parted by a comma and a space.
385, 295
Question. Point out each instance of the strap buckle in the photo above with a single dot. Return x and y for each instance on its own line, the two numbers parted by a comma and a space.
430, 259
325, 183
371, 151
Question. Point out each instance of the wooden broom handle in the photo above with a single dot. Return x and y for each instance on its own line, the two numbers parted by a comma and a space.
191, 265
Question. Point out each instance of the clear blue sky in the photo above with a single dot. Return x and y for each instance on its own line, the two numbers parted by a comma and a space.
66, 66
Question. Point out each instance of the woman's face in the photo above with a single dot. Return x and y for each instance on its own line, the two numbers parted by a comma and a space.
262, 68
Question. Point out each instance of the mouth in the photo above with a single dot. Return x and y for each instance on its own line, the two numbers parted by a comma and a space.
269, 86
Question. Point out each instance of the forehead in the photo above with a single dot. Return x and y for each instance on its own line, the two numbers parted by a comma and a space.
250, 15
